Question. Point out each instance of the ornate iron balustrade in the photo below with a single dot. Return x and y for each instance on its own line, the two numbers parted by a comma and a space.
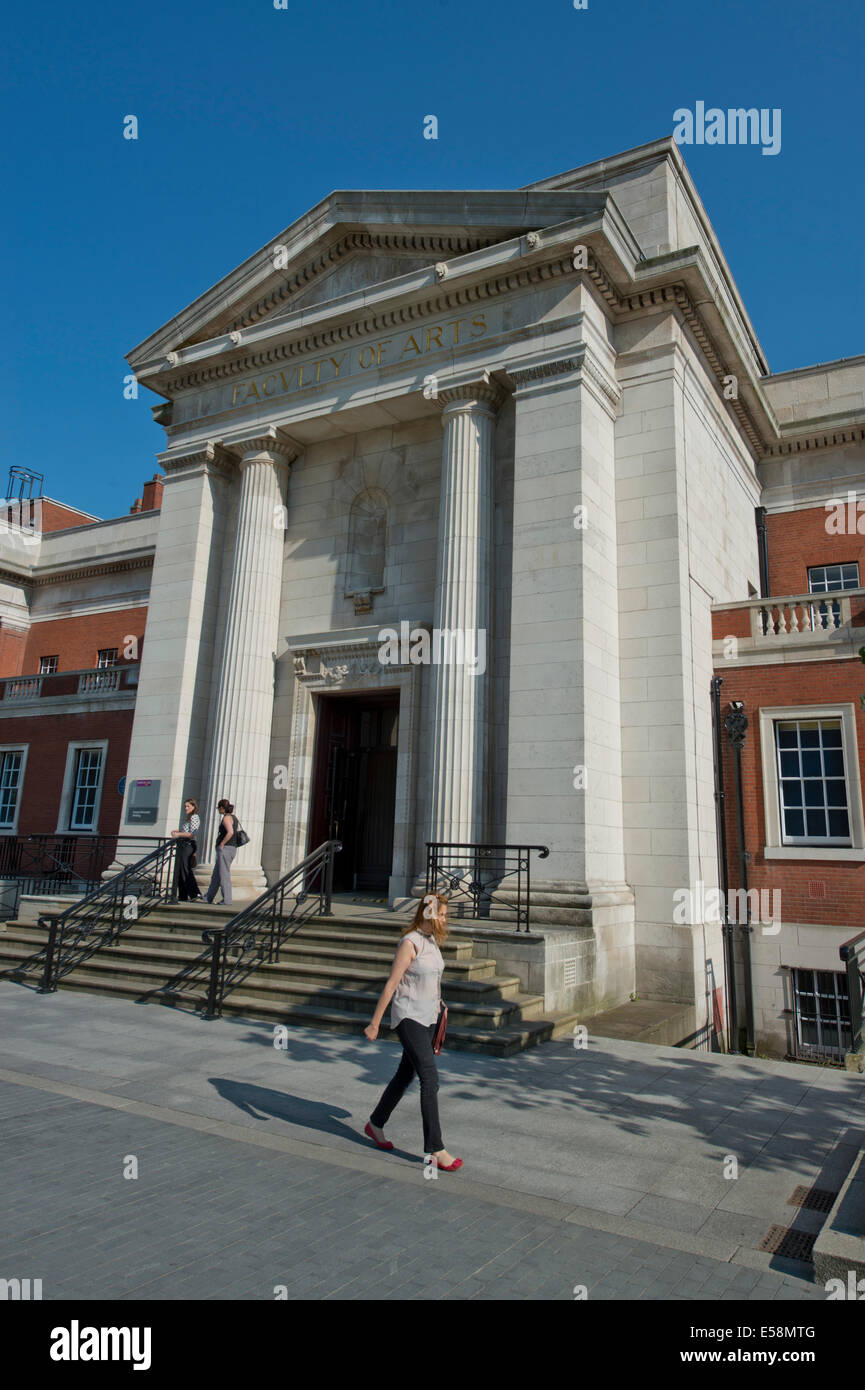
255, 935
101, 917
853, 955
64, 863
477, 875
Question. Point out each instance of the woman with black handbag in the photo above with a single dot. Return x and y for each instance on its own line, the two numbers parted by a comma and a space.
420, 1018
229, 837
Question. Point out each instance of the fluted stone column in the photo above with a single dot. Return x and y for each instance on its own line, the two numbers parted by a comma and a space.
240, 747
462, 602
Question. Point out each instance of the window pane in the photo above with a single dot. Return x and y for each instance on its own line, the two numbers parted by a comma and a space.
789, 764
10, 773
816, 822
791, 793
839, 824
87, 779
794, 823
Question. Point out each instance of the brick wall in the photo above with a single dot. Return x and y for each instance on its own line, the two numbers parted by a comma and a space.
12, 647
803, 683
48, 740
76, 641
798, 540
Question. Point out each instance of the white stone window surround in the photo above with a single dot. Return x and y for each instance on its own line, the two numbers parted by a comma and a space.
11, 827
774, 849
65, 812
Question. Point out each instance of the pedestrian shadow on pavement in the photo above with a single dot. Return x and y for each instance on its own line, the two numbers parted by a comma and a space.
261, 1103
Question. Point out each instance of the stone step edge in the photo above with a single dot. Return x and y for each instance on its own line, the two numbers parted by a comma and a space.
198, 989
134, 955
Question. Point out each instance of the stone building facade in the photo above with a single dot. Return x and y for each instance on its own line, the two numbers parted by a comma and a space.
540, 419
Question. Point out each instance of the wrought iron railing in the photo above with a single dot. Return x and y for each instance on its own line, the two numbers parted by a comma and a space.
853, 955
72, 863
255, 935
100, 918
484, 879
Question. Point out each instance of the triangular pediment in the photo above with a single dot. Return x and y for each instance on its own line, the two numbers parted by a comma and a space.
355, 240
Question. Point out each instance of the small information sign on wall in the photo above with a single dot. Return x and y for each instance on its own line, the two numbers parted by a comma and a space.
142, 807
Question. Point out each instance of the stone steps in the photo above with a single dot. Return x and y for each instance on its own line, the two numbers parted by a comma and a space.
329, 976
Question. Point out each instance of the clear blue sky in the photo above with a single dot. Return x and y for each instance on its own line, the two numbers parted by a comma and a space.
249, 115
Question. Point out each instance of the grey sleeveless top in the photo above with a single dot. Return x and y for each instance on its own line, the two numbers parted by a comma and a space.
418, 992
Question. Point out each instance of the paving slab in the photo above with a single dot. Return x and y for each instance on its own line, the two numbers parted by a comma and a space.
618, 1139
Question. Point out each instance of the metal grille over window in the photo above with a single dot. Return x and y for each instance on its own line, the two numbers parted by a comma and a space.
812, 782
88, 772
822, 1011
10, 776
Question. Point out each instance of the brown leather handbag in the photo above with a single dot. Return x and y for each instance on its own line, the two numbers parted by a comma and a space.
441, 1030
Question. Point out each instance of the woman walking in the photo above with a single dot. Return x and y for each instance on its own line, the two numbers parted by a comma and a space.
415, 988
226, 849
184, 879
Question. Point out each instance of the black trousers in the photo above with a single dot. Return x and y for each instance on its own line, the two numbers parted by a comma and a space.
184, 878
417, 1057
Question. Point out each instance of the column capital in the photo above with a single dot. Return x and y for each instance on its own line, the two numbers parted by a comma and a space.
210, 454
271, 441
481, 391
535, 376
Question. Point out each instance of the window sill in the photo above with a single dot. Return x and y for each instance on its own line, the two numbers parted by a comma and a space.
813, 852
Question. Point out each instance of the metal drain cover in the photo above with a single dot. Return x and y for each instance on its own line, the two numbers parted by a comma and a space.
792, 1245
813, 1198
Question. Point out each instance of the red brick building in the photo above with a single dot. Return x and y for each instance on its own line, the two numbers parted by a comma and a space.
73, 607
793, 820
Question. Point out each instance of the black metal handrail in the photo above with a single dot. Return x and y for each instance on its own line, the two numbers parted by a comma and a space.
853, 955
63, 862
100, 917
478, 873
254, 936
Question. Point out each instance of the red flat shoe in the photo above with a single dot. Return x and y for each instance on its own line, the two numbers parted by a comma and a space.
450, 1167
386, 1145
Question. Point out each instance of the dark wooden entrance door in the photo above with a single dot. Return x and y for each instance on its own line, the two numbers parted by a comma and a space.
354, 787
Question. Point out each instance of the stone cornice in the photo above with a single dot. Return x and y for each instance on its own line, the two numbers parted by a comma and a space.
85, 571
405, 244
404, 316
677, 287
808, 442
580, 361
676, 295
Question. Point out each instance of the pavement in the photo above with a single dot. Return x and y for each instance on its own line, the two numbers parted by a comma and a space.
148, 1154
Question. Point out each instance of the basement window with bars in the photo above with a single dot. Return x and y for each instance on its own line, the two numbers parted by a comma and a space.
822, 1011
86, 787
812, 783
10, 785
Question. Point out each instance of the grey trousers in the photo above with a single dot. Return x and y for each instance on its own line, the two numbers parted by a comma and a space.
221, 876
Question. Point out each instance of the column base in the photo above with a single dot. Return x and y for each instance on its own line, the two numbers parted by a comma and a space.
246, 884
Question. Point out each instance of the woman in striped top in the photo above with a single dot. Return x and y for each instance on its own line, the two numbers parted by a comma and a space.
187, 838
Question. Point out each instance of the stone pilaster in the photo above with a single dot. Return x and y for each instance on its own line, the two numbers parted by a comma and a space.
462, 604
240, 744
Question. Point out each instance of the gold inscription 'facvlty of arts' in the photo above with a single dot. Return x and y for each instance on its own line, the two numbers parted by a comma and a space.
398, 350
